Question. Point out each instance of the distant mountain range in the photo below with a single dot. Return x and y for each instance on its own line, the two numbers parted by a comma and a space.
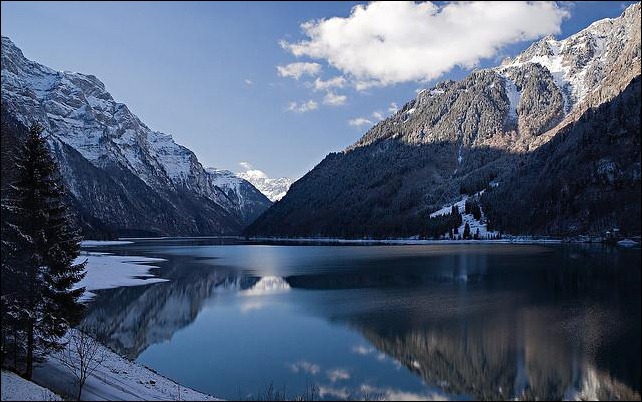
547, 143
274, 189
124, 178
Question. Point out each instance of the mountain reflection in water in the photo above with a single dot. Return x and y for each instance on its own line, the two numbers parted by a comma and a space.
481, 321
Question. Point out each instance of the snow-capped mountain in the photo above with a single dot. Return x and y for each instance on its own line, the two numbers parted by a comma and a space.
79, 113
459, 136
580, 63
527, 95
240, 191
274, 189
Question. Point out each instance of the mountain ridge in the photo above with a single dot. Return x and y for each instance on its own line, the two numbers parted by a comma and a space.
76, 110
458, 137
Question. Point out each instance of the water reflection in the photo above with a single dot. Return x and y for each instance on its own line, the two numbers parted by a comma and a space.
486, 322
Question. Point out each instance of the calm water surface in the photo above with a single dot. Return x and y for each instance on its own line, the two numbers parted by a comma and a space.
456, 321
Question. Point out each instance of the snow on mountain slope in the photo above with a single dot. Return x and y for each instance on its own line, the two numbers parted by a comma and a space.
251, 201
77, 110
458, 136
580, 63
274, 189
475, 225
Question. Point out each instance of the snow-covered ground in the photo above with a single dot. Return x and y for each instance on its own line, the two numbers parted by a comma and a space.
115, 379
16, 388
627, 243
96, 243
105, 271
475, 224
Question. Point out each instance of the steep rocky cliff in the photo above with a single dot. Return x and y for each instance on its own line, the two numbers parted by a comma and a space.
134, 180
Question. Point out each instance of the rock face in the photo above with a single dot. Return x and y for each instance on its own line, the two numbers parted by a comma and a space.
470, 135
121, 173
586, 179
249, 199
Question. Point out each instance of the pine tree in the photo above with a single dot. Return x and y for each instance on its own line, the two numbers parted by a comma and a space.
467, 231
42, 242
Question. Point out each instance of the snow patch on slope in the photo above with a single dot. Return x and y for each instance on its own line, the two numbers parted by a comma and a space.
474, 224
228, 182
117, 379
76, 109
16, 388
579, 62
513, 96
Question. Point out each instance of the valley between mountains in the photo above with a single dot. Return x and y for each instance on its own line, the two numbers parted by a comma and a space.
546, 143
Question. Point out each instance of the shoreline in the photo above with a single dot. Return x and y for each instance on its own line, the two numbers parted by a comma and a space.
117, 378
508, 239
406, 241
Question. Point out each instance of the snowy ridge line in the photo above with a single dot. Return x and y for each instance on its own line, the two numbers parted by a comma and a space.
77, 111
577, 62
273, 189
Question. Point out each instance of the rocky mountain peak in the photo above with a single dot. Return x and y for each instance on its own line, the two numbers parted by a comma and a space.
77, 111
529, 134
481, 108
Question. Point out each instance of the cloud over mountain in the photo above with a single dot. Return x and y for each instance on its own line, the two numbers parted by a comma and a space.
372, 46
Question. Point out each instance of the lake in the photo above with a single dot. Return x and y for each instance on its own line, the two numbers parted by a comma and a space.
442, 321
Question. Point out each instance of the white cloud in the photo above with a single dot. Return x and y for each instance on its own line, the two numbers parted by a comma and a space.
362, 350
359, 121
333, 99
364, 85
302, 107
338, 375
334, 393
296, 70
383, 43
250, 172
391, 394
377, 115
248, 81
334, 82
305, 367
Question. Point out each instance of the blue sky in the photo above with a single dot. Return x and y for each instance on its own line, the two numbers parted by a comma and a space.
206, 72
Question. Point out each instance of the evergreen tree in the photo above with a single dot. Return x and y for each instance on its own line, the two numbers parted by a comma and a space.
40, 243
467, 231
476, 237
